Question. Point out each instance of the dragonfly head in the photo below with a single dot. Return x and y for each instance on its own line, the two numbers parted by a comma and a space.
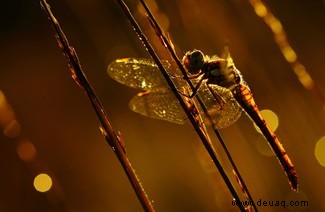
193, 61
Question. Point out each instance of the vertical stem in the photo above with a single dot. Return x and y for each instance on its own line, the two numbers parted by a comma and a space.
113, 139
200, 131
166, 43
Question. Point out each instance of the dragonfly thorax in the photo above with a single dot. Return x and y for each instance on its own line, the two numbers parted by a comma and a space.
215, 70
221, 72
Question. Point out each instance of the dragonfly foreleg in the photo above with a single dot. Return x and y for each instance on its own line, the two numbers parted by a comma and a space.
175, 76
194, 90
217, 96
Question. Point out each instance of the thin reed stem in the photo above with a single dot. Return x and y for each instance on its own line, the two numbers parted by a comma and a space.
113, 139
195, 123
166, 43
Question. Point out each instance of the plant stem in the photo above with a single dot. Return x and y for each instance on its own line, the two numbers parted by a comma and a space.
197, 126
113, 139
166, 43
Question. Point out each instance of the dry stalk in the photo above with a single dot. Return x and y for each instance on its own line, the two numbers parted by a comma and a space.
113, 138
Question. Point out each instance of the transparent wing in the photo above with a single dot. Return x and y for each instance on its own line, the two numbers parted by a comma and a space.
164, 106
140, 73
222, 114
158, 105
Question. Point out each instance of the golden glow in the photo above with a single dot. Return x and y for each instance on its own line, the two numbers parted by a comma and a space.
289, 54
303, 75
2, 99
12, 129
320, 150
300, 70
26, 150
260, 9
276, 26
42, 182
143, 84
122, 60
280, 38
271, 119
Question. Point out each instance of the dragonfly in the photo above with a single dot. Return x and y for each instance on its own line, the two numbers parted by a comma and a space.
157, 101
218, 83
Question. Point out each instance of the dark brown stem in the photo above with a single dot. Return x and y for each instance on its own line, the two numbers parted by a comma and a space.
114, 139
166, 44
174, 56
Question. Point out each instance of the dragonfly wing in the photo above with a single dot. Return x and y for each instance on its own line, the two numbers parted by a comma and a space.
140, 73
223, 111
158, 105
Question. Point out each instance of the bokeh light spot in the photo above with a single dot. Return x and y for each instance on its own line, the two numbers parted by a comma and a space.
26, 150
263, 147
271, 119
2, 99
260, 9
42, 182
320, 150
303, 75
12, 129
276, 26
289, 54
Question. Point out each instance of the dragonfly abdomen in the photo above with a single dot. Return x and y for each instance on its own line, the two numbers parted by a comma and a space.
245, 98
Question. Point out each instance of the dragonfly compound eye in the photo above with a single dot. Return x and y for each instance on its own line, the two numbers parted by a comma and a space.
193, 61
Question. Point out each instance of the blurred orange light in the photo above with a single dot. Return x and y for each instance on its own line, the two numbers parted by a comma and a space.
303, 75
260, 9
42, 182
12, 129
271, 119
2, 99
289, 54
276, 26
26, 150
319, 151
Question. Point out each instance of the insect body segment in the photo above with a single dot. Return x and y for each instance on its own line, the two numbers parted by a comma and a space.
222, 72
245, 98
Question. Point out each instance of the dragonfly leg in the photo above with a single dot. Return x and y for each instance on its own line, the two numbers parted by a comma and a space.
193, 76
196, 88
194, 91
194, 112
217, 96
175, 76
